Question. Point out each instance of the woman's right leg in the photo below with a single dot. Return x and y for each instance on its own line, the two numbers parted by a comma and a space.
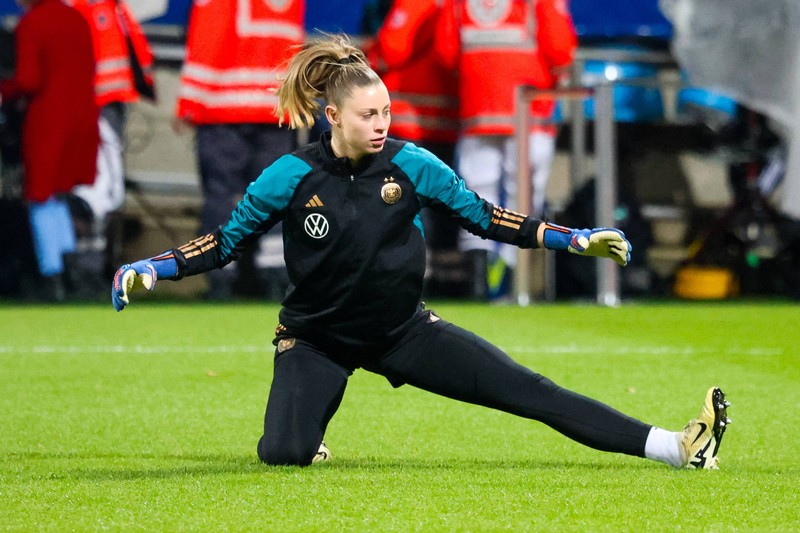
306, 391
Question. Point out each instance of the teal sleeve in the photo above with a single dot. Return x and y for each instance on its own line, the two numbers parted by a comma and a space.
437, 182
263, 203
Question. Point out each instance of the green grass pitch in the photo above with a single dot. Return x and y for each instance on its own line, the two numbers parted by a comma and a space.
148, 420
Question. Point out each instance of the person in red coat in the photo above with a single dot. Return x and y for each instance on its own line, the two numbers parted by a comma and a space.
55, 76
497, 46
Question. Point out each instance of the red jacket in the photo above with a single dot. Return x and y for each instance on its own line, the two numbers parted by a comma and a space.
499, 45
55, 73
424, 93
111, 22
236, 52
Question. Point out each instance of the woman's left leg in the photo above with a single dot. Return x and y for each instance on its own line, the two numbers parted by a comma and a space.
445, 359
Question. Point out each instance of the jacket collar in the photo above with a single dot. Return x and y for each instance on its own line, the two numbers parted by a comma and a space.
341, 163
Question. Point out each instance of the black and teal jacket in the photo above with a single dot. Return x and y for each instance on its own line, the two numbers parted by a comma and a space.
353, 238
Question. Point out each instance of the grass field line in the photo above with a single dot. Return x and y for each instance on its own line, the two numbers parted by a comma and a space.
130, 349
564, 349
578, 349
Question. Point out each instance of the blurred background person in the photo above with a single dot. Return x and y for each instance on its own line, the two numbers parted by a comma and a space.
124, 58
123, 75
374, 14
496, 46
424, 107
55, 76
235, 55
15, 236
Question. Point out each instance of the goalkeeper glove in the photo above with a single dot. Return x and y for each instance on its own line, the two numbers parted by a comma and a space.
597, 242
141, 274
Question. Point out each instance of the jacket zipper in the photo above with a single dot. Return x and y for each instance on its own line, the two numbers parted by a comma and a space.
353, 210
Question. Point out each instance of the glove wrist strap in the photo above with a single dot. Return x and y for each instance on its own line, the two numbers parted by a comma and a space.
556, 237
165, 265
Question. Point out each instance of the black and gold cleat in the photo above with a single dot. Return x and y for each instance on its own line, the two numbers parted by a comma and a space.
702, 436
323, 454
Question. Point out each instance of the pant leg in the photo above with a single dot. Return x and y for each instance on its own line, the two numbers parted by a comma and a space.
306, 391
269, 143
223, 154
67, 240
53, 234
223, 157
541, 150
480, 165
107, 193
447, 360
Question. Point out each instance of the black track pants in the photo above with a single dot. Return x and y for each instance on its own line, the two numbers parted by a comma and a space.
436, 356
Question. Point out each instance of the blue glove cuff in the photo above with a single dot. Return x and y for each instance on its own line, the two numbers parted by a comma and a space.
165, 265
556, 237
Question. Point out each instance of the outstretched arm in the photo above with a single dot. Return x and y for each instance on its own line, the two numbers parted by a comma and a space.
195, 257
528, 232
260, 210
440, 188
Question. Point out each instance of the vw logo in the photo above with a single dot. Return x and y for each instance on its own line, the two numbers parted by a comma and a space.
316, 225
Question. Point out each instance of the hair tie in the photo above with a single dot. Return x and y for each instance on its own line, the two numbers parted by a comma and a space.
348, 60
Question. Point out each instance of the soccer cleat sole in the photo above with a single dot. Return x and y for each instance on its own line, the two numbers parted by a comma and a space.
721, 419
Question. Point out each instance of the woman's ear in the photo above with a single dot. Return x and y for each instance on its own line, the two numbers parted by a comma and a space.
332, 114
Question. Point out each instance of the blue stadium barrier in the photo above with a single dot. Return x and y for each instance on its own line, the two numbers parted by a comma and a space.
632, 103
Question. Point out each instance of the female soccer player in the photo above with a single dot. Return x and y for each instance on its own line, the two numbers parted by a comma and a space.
350, 206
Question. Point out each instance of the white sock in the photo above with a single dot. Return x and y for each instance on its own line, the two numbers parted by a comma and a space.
663, 446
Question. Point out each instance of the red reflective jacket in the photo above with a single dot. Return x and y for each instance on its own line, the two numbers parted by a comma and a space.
111, 23
236, 50
424, 93
498, 45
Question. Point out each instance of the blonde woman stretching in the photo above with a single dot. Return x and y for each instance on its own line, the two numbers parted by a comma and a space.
354, 248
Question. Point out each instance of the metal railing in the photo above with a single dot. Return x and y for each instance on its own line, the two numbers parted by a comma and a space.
608, 280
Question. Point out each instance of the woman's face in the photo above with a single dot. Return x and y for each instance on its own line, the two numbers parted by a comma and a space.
360, 126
